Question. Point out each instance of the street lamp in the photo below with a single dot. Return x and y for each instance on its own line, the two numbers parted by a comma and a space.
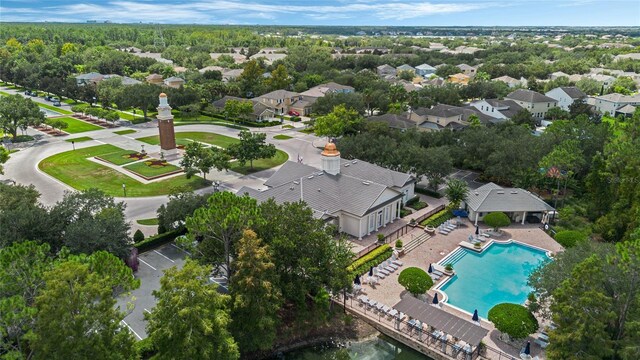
124, 189
73, 143
94, 101
142, 151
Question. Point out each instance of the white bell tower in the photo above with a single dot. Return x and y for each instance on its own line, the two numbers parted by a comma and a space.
331, 159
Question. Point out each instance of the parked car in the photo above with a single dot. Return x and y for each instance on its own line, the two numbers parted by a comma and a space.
294, 113
48, 97
56, 102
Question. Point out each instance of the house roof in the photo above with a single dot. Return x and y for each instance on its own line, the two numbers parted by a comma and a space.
573, 92
90, 76
386, 67
508, 108
405, 67
395, 121
528, 96
174, 79
278, 94
440, 110
130, 81
322, 89
425, 67
506, 79
491, 197
627, 109
326, 193
154, 77
618, 98
258, 108
464, 67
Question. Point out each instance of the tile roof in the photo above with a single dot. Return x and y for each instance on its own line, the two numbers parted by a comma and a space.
528, 96
491, 197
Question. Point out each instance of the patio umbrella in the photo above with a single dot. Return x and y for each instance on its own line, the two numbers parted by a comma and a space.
371, 271
435, 299
477, 230
527, 349
357, 280
475, 315
430, 269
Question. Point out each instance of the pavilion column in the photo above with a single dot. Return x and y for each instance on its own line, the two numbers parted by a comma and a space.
524, 216
360, 229
476, 222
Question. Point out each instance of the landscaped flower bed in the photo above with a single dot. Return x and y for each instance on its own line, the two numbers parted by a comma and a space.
153, 168
374, 258
122, 157
438, 218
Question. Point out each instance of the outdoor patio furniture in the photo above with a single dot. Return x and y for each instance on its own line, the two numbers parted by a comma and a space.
383, 271
386, 309
372, 303
393, 313
398, 262
543, 337
362, 300
543, 344
443, 232
392, 265
435, 277
380, 306
410, 324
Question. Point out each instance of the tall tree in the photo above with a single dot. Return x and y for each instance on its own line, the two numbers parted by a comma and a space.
340, 121
456, 192
255, 296
181, 205
18, 112
22, 216
251, 80
218, 226
524, 117
197, 157
4, 157
191, 318
252, 146
279, 79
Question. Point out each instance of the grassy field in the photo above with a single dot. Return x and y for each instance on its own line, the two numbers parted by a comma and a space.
262, 164
282, 137
184, 138
74, 169
119, 157
124, 132
148, 222
55, 108
79, 139
77, 126
150, 171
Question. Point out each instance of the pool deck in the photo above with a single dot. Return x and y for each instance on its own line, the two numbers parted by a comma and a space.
389, 291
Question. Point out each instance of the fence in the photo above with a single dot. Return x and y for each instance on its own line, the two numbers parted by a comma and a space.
398, 233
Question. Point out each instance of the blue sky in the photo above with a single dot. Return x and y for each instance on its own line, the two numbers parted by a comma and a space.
332, 12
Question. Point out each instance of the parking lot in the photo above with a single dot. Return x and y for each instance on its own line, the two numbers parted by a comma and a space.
151, 269
465, 175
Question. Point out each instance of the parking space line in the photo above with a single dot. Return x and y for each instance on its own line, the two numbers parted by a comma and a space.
161, 254
181, 249
146, 263
147, 311
133, 331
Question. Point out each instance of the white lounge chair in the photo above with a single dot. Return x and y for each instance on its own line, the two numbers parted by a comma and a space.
543, 344
444, 232
383, 271
398, 262
372, 303
380, 307
393, 312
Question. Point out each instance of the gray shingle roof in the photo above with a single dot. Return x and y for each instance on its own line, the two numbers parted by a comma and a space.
491, 197
509, 107
90, 76
573, 92
529, 96
394, 121
279, 94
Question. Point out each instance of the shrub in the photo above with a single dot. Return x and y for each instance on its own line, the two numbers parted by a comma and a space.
22, 138
448, 267
428, 192
416, 204
145, 348
415, 280
79, 108
381, 237
404, 212
373, 258
138, 236
568, 238
438, 218
157, 240
399, 244
497, 220
513, 319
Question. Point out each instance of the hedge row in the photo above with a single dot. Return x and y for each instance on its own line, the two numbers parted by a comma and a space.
438, 218
569, 238
157, 240
428, 192
374, 258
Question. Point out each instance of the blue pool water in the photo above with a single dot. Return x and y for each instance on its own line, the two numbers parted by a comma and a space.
499, 274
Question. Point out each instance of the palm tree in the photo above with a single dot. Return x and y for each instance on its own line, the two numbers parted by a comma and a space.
456, 192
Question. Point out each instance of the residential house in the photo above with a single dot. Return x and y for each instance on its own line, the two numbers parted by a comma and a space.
626, 111
356, 196
630, 56
127, 81
174, 82
443, 116
406, 67
260, 111
511, 82
565, 96
459, 78
269, 58
438, 81
536, 103
611, 103
519, 204
155, 79
497, 109
467, 70
605, 80
211, 68
231, 74
283, 101
237, 58
558, 74
386, 69
324, 89
395, 121
90, 78
425, 70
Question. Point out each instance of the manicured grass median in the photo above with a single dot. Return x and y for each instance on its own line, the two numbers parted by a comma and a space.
73, 168
124, 132
148, 222
77, 126
79, 139
55, 108
183, 138
262, 164
120, 157
282, 137
145, 169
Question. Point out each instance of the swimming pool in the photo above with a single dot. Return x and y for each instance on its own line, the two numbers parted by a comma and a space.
497, 275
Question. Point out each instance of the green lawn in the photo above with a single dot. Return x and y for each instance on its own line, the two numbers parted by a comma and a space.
124, 132
150, 171
282, 137
79, 139
307, 131
77, 126
55, 108
119, 157
148, 222
183, 138
74, 169
262, 164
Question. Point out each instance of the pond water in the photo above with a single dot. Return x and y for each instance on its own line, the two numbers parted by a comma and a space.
381, 348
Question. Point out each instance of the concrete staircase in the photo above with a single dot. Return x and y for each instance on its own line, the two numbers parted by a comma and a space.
417, 241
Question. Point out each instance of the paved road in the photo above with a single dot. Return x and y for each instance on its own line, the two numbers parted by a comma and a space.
22, 167
153, 263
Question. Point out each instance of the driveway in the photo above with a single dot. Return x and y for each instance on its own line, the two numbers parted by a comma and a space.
151, 269
468, 176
